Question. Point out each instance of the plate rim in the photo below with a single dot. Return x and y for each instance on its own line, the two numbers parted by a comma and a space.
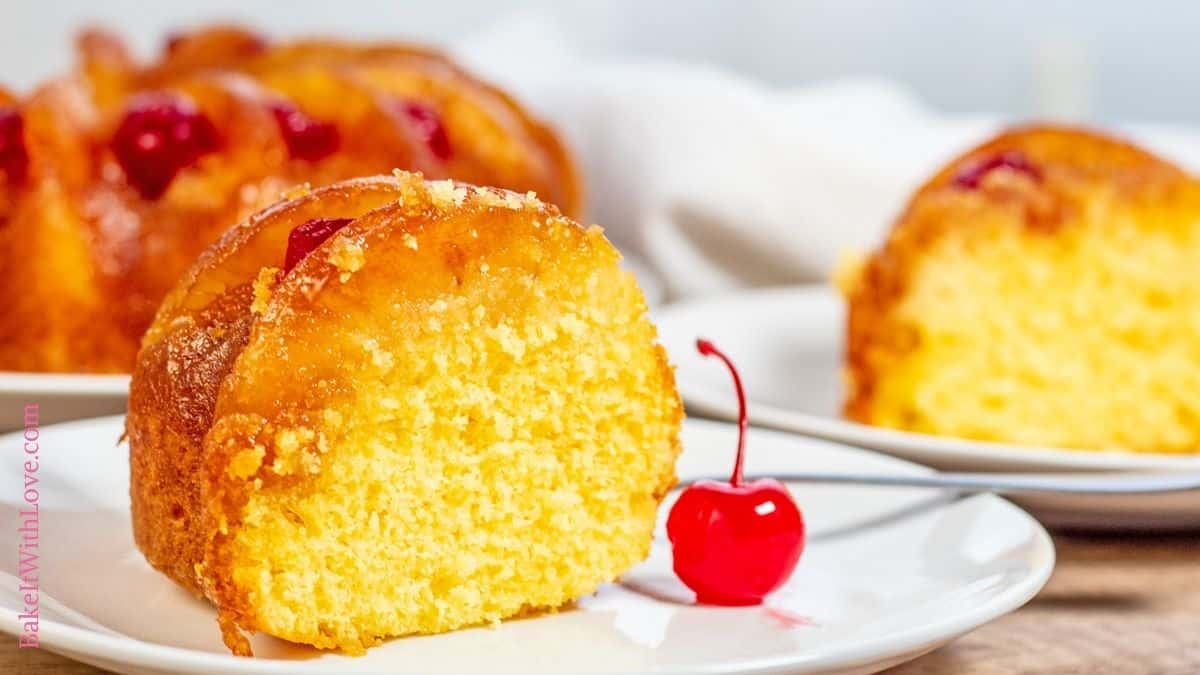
64, 384
703, 400
123, 649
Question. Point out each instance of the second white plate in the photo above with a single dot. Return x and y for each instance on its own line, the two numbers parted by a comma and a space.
787, 343
59, 396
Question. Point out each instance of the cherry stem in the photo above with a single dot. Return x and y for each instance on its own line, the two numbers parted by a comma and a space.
709, 349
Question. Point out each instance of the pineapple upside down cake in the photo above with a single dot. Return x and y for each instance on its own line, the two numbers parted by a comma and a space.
116, 176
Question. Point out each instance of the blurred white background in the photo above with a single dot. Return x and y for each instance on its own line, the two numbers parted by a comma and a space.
728, 144
1099, 61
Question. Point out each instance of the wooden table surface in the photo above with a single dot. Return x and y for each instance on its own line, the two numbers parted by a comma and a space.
1126, 605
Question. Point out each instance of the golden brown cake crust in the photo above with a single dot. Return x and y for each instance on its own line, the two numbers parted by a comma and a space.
184, 371
177, 491
1068, 165
86, 258
238, 353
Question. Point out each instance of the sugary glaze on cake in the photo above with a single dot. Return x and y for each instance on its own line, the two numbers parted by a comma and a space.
451, 412
93, 234
1040, 289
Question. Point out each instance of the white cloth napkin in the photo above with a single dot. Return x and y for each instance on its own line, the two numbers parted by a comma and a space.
718, 182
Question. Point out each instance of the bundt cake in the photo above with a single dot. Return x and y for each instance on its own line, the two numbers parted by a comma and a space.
1042, 289
115, 177
391, 406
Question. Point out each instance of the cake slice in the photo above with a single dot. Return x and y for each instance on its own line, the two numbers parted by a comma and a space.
1042, 289
393, 406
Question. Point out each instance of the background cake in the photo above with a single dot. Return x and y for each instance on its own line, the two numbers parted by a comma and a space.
1043, 289
113, 178
453, 410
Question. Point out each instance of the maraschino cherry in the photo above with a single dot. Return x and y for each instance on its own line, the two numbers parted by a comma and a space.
305, 137
735, 542
159, 135
971, 175
428, 127
307, 236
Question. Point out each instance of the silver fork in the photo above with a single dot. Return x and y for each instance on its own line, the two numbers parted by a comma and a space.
1004, 483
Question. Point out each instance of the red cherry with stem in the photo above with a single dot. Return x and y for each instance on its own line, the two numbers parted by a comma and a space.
307, 236
159, 135
14, 157
429, 128
735, 542
971, 175
305, 137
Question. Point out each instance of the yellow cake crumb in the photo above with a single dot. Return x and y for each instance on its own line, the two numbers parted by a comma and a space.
447, 193
246, 462
263, 284
348, 256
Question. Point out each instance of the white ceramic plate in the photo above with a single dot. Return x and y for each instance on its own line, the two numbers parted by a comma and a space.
888, 574
59, 397
787, 343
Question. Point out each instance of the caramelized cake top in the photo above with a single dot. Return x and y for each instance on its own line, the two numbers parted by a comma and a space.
114, 177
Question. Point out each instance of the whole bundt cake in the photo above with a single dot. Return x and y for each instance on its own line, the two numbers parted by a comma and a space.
1042, 289
391, 406
115, 177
